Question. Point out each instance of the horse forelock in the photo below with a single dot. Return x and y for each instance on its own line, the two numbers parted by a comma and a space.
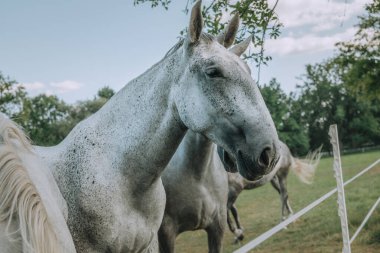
208, 38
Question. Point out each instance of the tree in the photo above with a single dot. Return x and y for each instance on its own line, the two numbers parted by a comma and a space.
359, 58
106, 92
42, 117
48, 120
321, 103
84, 109
289, 129
11, 96
81, 110
344, 90
325, 100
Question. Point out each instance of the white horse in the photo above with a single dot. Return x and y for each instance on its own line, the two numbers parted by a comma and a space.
32, 208
108, 168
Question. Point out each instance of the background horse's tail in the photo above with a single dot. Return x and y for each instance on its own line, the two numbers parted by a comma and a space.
18, 195
305, 168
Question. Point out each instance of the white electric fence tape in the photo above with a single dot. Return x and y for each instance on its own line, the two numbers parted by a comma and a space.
365, 220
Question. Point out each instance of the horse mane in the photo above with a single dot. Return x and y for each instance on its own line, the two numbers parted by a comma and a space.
18, 195
175, 47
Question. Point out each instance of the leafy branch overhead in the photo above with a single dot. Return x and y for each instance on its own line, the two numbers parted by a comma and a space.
257, 17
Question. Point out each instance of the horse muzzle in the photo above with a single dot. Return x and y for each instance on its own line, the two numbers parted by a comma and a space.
254, 169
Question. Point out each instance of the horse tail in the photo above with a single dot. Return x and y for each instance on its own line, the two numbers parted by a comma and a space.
18, 195
305, 168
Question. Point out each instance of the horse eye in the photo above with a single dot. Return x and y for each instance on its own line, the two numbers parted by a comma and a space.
213, 72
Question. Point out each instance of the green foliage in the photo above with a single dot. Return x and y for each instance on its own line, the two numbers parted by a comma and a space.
154, 3
344, 90
42, 118
106, 92
11, 96
83, 109
46, 119
289, 129
359, 58
258, 19
318, 103
325, 100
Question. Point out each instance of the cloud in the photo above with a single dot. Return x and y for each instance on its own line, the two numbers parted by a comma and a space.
316, 14
52, 87
309, 43
34, 85
66, 86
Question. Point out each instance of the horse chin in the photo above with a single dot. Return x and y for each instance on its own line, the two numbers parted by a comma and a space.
247, 168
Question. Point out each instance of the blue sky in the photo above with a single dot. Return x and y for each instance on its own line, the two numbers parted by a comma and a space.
72, 48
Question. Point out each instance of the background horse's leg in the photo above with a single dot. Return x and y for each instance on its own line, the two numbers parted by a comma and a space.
166, 238
215, 234
276, 185
284, 197
236, 216
237, 230
231, 226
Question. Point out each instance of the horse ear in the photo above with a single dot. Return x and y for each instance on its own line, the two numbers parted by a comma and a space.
227, 37
196, 22
240, 48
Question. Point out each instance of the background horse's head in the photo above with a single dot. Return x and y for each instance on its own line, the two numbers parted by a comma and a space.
216, 96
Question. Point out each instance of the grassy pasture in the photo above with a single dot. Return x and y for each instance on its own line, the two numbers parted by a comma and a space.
317, 231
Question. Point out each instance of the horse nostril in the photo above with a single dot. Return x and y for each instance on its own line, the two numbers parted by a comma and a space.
265, 157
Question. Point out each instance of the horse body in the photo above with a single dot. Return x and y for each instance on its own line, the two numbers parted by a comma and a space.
196, 190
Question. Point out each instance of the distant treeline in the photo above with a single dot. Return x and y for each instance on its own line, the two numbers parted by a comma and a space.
45, 118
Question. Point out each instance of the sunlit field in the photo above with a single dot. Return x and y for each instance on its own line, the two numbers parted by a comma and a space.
317, 231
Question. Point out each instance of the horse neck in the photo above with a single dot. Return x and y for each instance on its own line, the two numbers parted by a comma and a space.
198, 154
140, 122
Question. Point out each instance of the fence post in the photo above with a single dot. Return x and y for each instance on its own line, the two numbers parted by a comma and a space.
342, 211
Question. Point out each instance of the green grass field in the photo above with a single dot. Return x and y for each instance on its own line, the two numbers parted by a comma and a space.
317, 231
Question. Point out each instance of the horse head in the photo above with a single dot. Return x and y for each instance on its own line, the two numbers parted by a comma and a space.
216, 96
